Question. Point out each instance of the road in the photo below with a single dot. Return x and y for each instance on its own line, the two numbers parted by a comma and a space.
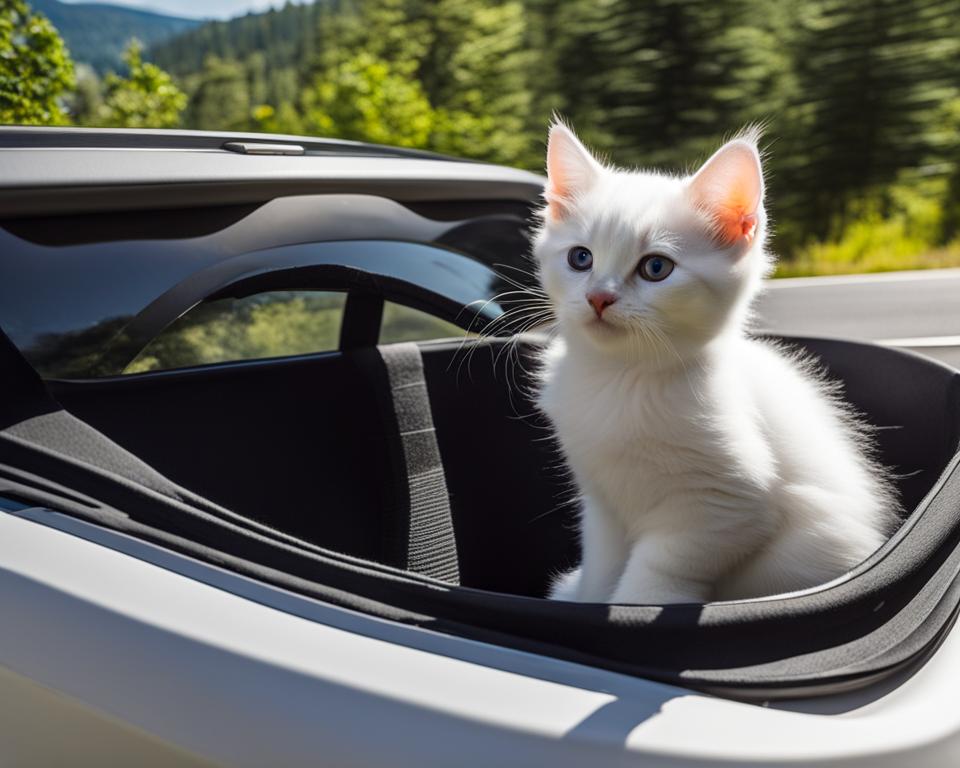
915, 310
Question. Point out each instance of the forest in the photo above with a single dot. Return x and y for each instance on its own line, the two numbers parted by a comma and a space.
859, 100
97, 33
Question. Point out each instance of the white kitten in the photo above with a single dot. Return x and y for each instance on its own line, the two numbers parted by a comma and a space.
711, 465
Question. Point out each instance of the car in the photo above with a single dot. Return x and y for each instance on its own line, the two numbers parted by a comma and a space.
273, 491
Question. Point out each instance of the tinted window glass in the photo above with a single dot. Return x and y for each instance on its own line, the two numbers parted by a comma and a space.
81, 296
402, 323
274, 324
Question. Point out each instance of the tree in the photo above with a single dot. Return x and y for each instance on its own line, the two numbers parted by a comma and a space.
453, 75
394, 31
287, 36
35, 68
283, 119
365, 98
665, 80
872, 74
220, 97
146, 98
480, 72
950, 123
86, 101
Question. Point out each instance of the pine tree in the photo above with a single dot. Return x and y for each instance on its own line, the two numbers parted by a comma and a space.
872, 74
666, 78
478, 72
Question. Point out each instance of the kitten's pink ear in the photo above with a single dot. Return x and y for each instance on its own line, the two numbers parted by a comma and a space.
729, 187
571, 170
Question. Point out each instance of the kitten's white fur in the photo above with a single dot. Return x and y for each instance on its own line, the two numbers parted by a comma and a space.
710, 465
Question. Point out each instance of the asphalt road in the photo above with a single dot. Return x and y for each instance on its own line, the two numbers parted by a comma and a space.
915, 310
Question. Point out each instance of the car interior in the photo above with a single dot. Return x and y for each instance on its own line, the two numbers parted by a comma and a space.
417, 482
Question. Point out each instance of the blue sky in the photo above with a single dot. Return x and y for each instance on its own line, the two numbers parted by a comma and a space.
197, 9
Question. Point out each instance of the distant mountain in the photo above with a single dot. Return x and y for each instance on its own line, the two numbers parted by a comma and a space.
96, 33
286, 36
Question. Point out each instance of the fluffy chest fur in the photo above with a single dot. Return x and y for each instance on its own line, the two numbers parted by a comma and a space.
636, 440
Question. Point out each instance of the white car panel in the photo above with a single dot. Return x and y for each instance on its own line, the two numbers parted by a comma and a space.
122, 628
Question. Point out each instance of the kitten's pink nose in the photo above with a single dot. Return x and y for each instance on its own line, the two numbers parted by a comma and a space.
600, 300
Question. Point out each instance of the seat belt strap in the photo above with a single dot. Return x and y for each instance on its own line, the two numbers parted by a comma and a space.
426, 537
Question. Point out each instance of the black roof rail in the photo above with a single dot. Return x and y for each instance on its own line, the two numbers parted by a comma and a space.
27, 137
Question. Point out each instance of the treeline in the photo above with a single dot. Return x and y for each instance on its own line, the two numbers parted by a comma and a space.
860, 99
97, 34
286, 36
456, 76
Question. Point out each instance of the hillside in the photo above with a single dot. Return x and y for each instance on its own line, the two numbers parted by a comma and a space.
284, 35
96, 33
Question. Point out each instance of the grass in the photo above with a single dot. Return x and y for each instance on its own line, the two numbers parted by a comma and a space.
910, 235
813, 264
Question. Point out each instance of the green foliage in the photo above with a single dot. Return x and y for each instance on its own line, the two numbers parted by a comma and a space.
97, 33
870, 245
402, 323
871, 76
273, 325
286, 37
219, 97
365, 98
86, 101
897, 227
146, 98
673, 77
35, 68
266, 325
452, 76
285, 119
485, 92
247, 72
948, 124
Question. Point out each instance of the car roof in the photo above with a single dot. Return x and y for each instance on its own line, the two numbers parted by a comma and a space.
73, 170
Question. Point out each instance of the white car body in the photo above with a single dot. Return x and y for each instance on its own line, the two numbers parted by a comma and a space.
219, 669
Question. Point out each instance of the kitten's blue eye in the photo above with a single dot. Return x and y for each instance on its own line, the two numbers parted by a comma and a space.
579, 258
655, 267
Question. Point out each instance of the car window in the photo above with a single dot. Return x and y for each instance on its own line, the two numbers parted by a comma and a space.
60, 303
271, 324
402, 323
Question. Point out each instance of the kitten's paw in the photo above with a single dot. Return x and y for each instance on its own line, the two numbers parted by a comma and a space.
565, 586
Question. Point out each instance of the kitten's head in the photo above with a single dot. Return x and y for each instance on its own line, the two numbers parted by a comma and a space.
645, 266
